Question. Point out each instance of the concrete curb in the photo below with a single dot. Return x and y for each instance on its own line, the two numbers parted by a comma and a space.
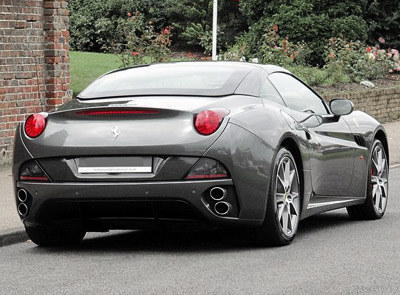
13, 236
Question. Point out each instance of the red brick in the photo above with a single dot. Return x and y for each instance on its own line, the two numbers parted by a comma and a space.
34, 65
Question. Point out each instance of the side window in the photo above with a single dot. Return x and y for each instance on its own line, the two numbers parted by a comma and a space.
296, 95
268, 92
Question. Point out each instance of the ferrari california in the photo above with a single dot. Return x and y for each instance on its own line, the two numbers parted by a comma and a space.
194, 145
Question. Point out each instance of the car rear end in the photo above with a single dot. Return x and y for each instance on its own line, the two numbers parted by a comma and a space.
139, 162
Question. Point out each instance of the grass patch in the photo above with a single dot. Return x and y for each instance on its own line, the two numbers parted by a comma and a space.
314, 76
87, 66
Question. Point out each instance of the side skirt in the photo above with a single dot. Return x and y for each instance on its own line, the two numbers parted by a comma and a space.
323, 204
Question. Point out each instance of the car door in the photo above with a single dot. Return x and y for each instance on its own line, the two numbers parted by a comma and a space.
330, 141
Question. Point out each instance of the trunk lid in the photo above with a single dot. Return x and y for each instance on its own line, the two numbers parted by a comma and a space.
138, 126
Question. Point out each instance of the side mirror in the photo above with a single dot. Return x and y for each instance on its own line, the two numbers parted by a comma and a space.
341, 107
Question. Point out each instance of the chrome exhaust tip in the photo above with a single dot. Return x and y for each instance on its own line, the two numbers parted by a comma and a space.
22, 195
22, 209
218, 193
222, 208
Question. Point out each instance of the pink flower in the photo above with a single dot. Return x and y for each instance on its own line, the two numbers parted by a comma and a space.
134, 53
368, 49
129, 14
390, 71
381, 40
398, 69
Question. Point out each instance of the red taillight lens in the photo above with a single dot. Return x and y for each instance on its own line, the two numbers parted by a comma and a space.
207, 122
35, 125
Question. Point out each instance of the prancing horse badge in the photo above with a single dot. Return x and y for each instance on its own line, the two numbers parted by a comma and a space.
115, 132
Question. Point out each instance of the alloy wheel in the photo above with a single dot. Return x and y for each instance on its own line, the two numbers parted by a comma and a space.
379, 179
287, 196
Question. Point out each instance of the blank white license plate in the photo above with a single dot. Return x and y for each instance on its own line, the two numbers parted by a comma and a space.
115, 165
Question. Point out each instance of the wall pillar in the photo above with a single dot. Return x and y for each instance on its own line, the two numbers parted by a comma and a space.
56, 52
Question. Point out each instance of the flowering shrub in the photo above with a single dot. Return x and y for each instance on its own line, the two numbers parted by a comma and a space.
340, 58
280, 51
372, 64
273, 49
238, 52
142, 41
359, 62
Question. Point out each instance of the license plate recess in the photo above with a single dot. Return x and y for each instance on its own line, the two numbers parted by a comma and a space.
89, 165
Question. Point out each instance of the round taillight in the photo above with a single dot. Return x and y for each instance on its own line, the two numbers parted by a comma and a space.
35, 125
207, 122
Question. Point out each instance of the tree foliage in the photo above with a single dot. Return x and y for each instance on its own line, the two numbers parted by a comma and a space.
383, 20
310, 21
95, 24
192, 21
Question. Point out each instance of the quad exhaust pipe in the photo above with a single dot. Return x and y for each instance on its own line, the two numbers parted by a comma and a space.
222, 208
23, 198
22, 195
22, 209
218, 193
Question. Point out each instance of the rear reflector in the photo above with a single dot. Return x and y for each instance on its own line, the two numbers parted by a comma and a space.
31, 171
117, 112
207, 176
33, 178
207, 168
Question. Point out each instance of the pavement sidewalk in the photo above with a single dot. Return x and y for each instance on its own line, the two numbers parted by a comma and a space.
11, 228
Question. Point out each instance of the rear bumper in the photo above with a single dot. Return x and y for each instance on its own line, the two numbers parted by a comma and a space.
109, 205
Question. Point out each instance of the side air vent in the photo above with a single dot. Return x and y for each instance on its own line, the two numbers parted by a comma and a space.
359, 140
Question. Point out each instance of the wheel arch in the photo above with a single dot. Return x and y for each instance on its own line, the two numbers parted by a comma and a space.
381, 136
291, 145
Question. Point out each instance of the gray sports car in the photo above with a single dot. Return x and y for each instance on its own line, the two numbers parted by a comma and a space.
215, 144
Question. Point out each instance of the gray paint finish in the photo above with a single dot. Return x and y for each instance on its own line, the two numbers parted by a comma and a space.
333, 165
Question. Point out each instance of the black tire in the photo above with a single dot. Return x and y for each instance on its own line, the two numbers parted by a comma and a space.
273, 231
48, 237
374, 206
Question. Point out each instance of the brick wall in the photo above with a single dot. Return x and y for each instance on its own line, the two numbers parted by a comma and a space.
34, 62
382, 104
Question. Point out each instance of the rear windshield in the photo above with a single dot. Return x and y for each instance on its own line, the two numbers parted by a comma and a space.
205, 79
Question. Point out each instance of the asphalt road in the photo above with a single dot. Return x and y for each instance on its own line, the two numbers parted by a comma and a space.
331, 255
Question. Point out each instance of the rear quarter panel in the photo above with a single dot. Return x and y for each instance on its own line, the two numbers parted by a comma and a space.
366, 126
248, 148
